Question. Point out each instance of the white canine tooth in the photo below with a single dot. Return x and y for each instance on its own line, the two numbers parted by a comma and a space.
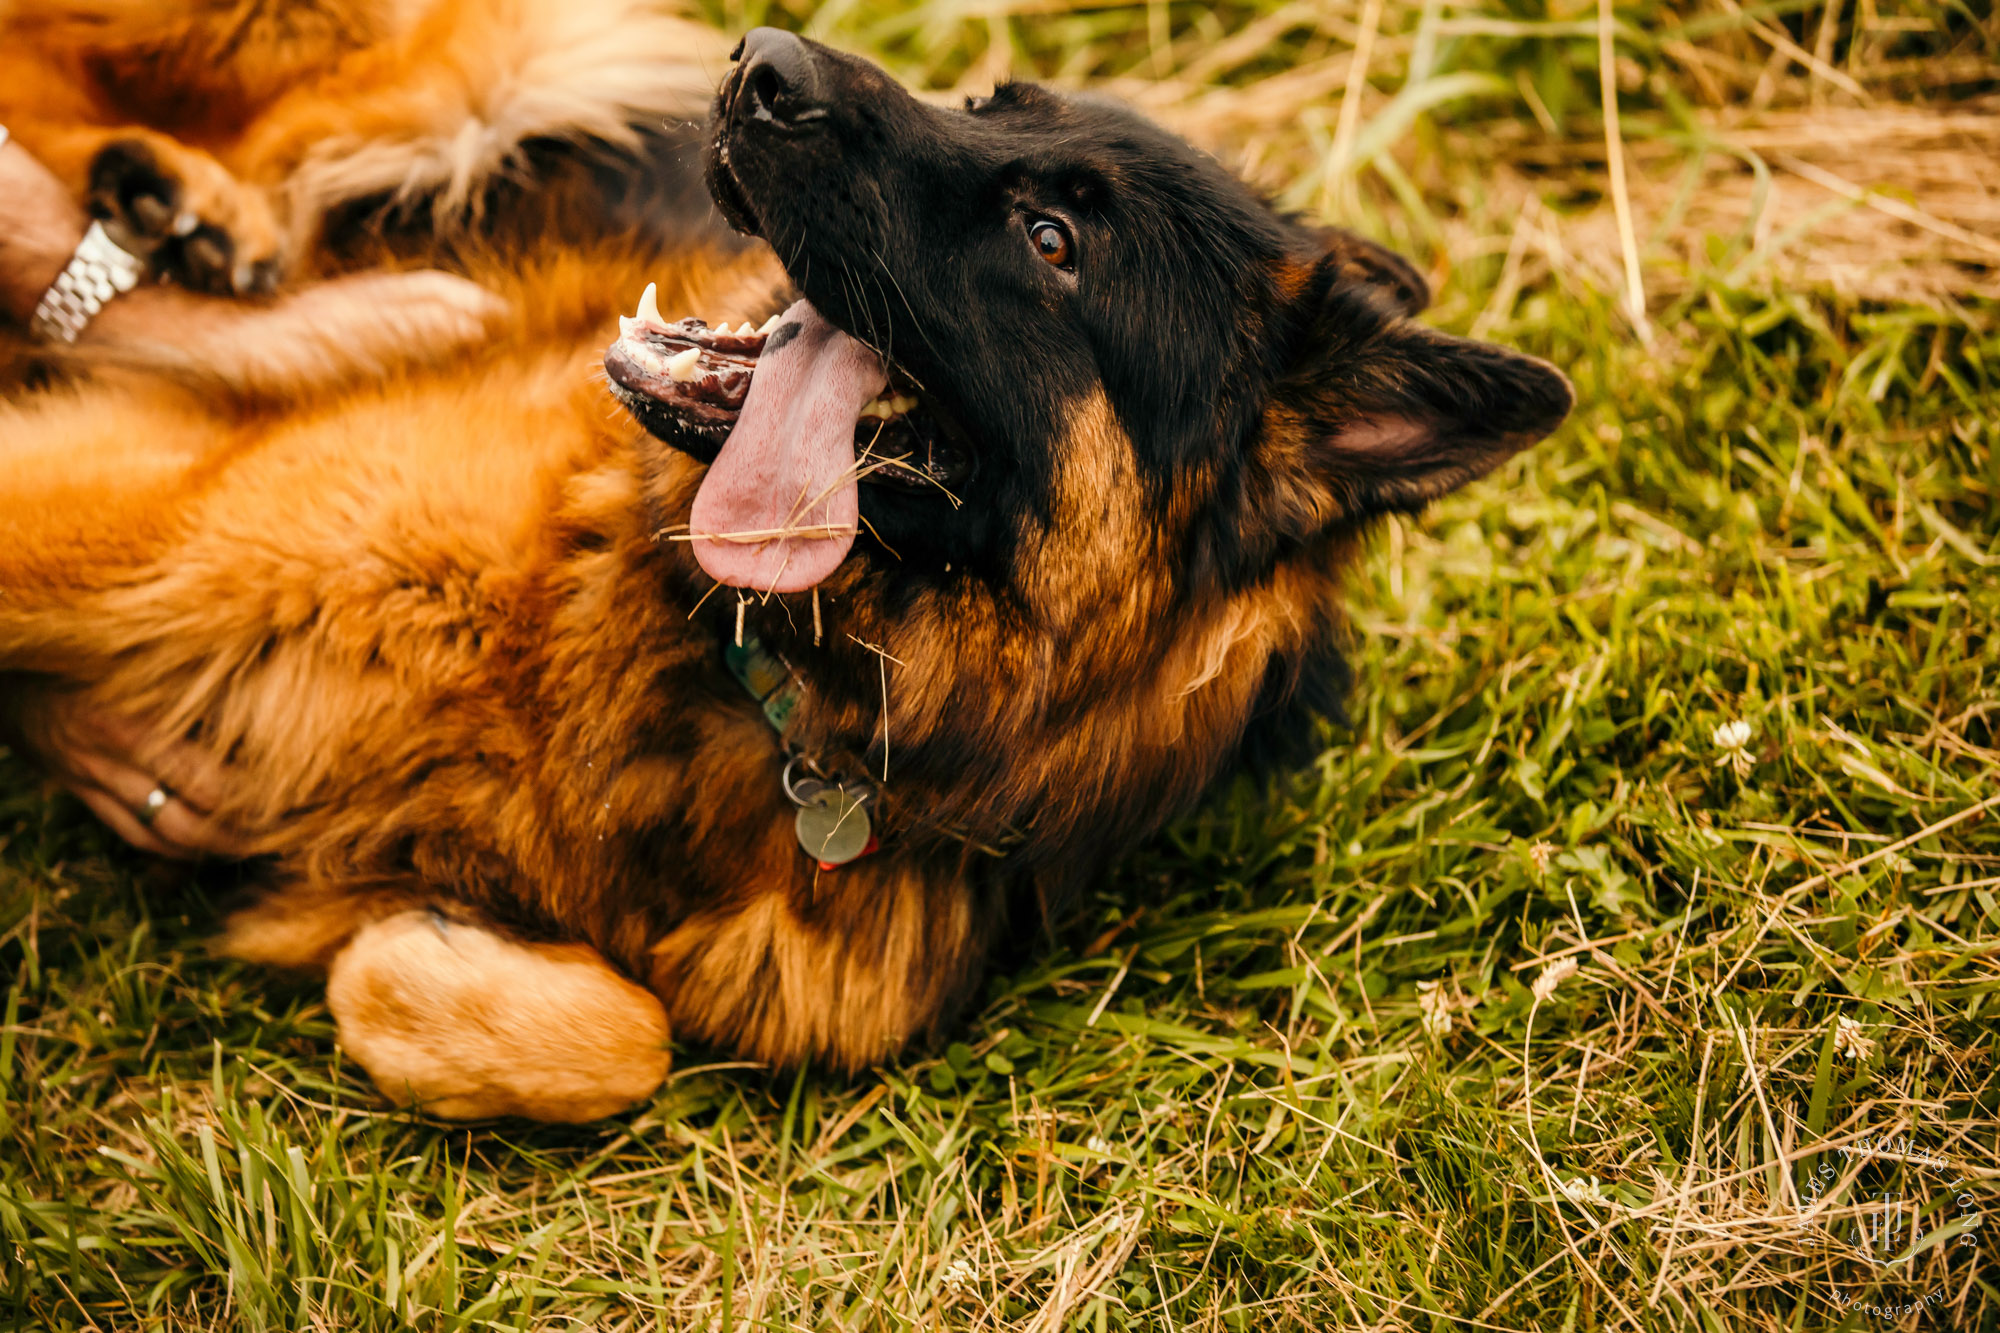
681, 364
625, 326
649, 304
769, 324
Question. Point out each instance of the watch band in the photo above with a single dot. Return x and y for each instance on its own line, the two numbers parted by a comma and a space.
99, 270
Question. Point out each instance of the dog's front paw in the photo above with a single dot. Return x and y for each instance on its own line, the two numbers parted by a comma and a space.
207, 230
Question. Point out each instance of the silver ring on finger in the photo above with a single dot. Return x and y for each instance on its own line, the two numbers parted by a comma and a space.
156, 801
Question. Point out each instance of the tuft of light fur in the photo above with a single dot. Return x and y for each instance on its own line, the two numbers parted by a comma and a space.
514, 71
468, 1024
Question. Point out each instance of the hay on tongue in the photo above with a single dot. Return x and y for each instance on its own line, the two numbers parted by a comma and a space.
779, 507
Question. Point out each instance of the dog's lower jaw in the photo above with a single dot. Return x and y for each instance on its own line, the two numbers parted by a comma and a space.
455, 1020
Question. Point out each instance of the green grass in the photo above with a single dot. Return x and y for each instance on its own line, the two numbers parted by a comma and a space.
1214, 1101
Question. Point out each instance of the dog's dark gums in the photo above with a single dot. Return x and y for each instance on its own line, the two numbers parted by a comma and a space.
1142, 423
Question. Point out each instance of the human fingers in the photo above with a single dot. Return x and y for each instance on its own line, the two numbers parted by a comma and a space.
140, 801
195, 774
123, 822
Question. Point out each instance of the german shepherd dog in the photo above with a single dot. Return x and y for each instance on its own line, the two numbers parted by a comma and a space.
1004, 505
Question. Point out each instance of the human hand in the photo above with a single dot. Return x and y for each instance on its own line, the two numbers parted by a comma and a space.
39, 227
159, 795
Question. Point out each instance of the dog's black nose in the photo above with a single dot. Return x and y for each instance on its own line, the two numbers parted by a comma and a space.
776, 72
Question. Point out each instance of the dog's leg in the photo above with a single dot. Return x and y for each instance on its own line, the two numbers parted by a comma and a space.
848, 970
449, 1015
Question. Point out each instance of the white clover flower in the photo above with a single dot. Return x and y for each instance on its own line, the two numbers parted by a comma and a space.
1540, 854
1098, 1143
1440, 1001
1584, 1189
1554, 975
958, 1275
1849, 1041
1436, 1007
1733, 739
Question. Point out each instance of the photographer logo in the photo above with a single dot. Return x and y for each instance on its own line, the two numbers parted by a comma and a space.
1898, 1224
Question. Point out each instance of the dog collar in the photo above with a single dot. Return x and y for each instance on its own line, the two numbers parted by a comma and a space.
834, 823
835, 820
767, 677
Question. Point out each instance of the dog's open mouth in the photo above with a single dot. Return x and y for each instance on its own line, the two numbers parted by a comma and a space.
791, 416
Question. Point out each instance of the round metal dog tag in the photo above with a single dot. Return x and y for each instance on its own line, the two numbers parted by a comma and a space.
833, 826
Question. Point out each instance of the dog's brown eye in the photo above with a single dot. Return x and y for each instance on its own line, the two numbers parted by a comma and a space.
1052, 243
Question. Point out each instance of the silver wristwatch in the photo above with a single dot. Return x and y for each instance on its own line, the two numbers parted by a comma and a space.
99, 270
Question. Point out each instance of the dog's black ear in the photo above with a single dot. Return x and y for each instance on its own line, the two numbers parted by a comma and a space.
1354, 259
1375, 412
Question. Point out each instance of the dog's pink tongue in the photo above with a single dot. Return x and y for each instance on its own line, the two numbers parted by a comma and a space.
789, 463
